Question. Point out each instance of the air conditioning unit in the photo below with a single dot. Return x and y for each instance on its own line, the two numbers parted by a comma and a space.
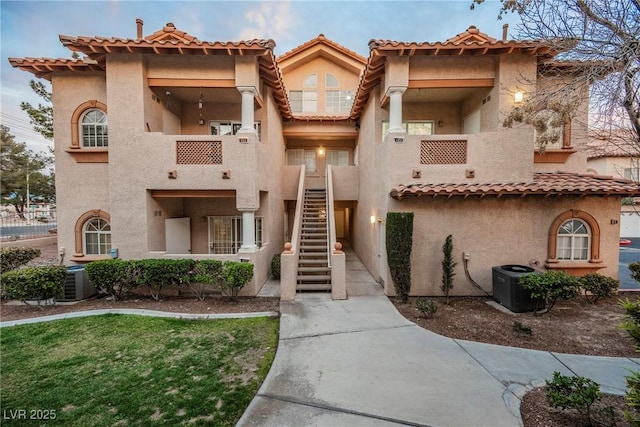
508, 292
77, 285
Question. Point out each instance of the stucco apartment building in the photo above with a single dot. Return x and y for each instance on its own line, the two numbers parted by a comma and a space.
171, 146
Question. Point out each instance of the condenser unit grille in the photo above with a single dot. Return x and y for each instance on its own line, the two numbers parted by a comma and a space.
69, 292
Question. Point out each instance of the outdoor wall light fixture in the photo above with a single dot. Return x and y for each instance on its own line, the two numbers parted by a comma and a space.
200, 102
373, 219
518, 97
201, 121
321, 151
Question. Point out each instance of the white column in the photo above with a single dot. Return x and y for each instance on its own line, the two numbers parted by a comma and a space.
248, 120
395, 109
248, 232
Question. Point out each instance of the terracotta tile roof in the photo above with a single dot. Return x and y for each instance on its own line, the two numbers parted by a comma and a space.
43, 67
469, 42
542, 184
168, 40
321, 39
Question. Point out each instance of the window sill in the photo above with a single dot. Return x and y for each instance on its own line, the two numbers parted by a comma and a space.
575, 268
553, 156
100, 155
83, 259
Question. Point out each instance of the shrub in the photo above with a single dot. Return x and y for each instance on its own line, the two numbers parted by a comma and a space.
157, 273
597, 286
399, 241
550, 287
34, 283
113, 276
631, 322
521, 328
448, 266
632, 398
235, 276
205, 272
12, 257
635, 270
275, 266
568, 392
427, 307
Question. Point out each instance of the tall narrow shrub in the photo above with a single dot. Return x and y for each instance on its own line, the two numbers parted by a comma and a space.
448, 267
399, 241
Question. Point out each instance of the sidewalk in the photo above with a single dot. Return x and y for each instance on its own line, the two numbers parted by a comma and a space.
360, 363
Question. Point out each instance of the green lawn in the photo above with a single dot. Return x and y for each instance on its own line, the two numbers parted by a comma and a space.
117, 370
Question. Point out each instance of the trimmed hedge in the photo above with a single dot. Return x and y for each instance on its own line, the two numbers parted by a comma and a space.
235, 276
157, 273
113, 276
34, 283
598, 286
118, 277
13, 257
399, 242
550, 287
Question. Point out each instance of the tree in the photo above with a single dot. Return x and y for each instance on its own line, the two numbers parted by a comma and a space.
42, 115
399, 242
599, 44
448, 266
21, 168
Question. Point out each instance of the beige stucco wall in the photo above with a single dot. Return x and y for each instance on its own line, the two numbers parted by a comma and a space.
494, 232
80, 187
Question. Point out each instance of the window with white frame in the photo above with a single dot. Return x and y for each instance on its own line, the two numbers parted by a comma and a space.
311, 80
414, 127
301, 156
94, 129
338, 101
573, 241
632, 174
97, 237
303, 101
225, 234
331, 80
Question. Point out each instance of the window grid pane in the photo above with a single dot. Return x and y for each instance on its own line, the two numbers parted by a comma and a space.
94, 129
97, 237
573, 241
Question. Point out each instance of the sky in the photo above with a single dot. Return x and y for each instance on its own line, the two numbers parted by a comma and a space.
32, 29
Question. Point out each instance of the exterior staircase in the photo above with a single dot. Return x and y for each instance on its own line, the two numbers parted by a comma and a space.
314, 273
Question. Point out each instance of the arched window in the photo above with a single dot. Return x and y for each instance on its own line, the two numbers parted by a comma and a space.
311, 80
92, 236
97, 237
94, 129
574, 237
573, 241
331, 81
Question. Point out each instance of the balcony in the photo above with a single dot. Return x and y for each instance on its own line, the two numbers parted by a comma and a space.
503, 156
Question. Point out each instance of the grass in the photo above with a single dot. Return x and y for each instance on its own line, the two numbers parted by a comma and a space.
117, 370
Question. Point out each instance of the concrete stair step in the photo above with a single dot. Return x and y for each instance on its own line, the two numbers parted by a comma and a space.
319, 287
313, 269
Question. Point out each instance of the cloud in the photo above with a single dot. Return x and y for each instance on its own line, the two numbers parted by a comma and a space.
272, 20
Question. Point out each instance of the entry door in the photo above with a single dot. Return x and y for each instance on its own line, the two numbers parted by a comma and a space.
177, 233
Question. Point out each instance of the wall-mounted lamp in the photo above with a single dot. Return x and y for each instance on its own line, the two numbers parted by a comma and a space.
321, 151
201, 121
200, 102
373, 219
440, 123
518, 97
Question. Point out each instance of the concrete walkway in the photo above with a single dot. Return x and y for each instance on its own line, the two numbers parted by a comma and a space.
360, 363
